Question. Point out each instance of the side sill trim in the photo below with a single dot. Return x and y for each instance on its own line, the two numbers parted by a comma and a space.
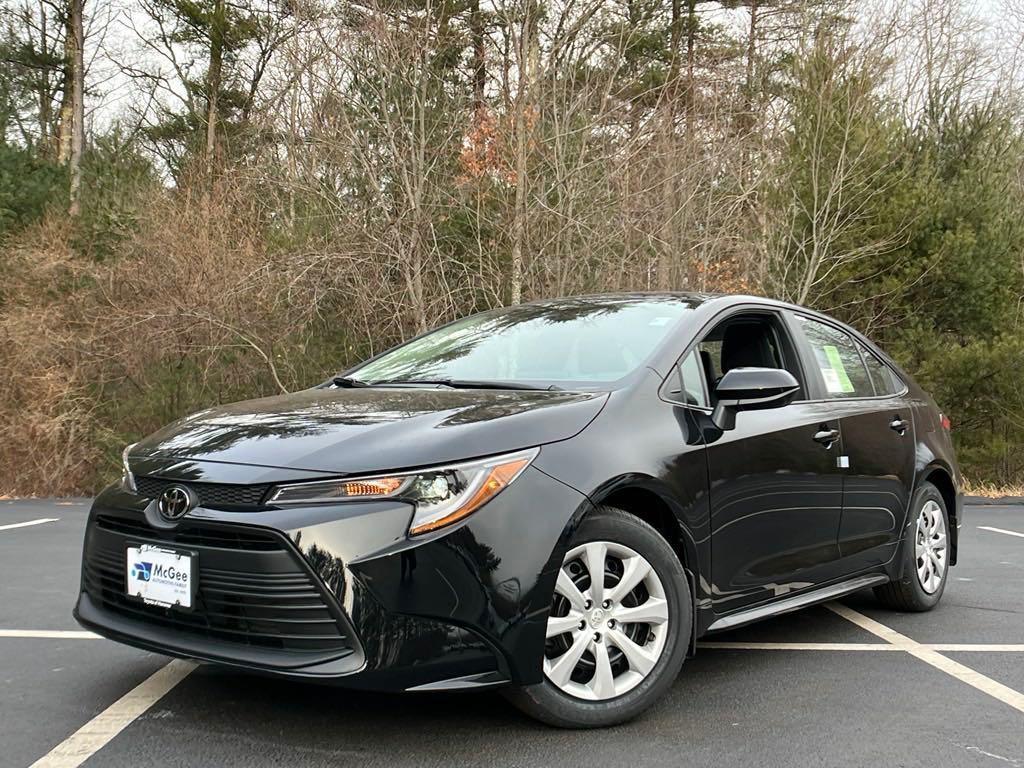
797, 601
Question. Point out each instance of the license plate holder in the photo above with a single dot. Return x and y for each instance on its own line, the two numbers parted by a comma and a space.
162, 576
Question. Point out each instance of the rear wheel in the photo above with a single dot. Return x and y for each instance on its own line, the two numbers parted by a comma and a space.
926, 554
618, 627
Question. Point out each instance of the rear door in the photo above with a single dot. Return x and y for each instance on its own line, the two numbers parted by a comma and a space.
877, 461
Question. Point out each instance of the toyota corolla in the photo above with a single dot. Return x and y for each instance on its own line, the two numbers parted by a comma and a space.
558, 499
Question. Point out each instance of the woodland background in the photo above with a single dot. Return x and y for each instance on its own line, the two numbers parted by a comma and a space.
210, 200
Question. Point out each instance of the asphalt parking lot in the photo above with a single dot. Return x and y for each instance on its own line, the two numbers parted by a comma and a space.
850, 684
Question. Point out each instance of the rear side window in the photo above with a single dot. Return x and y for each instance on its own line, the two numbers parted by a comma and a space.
837, 359
885, 381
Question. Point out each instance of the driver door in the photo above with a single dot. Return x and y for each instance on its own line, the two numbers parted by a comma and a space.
775, 488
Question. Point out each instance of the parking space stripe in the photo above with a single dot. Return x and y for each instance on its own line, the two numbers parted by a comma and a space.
98, 732
44, 634
969, 647
727, 646
958, 647
40, 521
955, 669
1000, 530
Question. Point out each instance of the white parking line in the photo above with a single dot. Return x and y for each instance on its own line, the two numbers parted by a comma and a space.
958, 647
955, 669
727, 646
40, 521
720, 645
97, 733
43, 634
1000, 530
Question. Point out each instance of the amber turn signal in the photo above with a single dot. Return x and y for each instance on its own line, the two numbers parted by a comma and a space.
381, 486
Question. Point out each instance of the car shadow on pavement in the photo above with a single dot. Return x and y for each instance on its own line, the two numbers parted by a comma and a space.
227, 705
729, 705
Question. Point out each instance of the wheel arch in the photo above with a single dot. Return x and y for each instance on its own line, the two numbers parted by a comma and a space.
942, 479
646, 498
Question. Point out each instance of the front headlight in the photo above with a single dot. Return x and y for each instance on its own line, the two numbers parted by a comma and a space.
127, 478
442, 495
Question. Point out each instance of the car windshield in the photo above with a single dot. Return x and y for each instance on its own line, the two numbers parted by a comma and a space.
571, 341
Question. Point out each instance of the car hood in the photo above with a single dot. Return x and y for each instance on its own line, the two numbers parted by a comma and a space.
350, 431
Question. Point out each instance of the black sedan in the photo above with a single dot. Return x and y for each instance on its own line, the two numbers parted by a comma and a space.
557, 498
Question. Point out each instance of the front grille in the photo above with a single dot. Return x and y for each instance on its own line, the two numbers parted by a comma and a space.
211, 495
233, 537
252, 588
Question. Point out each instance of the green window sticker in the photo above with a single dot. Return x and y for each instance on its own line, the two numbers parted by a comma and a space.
836, 378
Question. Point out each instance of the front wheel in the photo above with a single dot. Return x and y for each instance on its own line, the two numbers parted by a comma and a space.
926, 553
618, 628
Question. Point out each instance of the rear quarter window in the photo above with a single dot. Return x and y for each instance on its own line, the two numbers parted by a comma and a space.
885, 381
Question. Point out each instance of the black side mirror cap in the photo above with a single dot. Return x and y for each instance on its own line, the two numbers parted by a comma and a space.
751, 389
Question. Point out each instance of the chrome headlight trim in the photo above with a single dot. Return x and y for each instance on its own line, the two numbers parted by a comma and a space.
127, 478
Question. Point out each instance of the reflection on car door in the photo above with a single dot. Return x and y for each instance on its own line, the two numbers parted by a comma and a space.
878, 443
776, 493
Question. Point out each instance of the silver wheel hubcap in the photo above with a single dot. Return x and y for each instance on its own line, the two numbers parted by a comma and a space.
931, 547
608, 623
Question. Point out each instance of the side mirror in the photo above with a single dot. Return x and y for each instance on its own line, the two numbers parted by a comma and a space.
751, 389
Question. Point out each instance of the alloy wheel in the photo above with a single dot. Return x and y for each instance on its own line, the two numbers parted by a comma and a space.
608, 624
931, 547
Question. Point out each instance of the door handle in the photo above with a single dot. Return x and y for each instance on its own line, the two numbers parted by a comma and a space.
826, 436
900, 426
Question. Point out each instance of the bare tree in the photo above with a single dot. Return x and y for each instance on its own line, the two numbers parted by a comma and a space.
76, 33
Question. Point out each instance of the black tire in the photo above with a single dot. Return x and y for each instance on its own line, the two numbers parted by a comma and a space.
907, 594
547, 703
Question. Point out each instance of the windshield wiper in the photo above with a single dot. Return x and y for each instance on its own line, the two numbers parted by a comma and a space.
348, 382
465, 384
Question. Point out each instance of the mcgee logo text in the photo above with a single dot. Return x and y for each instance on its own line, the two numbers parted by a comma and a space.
159, 572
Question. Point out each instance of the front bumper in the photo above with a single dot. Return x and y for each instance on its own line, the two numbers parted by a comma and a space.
339, 593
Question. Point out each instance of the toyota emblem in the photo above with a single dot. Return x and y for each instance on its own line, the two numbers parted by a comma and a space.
177, 501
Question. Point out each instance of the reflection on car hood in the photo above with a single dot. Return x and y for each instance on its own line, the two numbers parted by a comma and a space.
348, 431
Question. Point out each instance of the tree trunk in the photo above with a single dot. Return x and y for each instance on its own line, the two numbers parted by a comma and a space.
691, 55
527, 61
65, 120
748, 89
675, 37
50, 141
748, 118
476, 29
667, 254
519, 212
213, 81
77, 30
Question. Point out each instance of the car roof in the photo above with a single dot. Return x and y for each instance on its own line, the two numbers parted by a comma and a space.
718, 301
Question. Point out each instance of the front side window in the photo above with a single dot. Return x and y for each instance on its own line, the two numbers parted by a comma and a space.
837, 359
570, 341
744, 340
